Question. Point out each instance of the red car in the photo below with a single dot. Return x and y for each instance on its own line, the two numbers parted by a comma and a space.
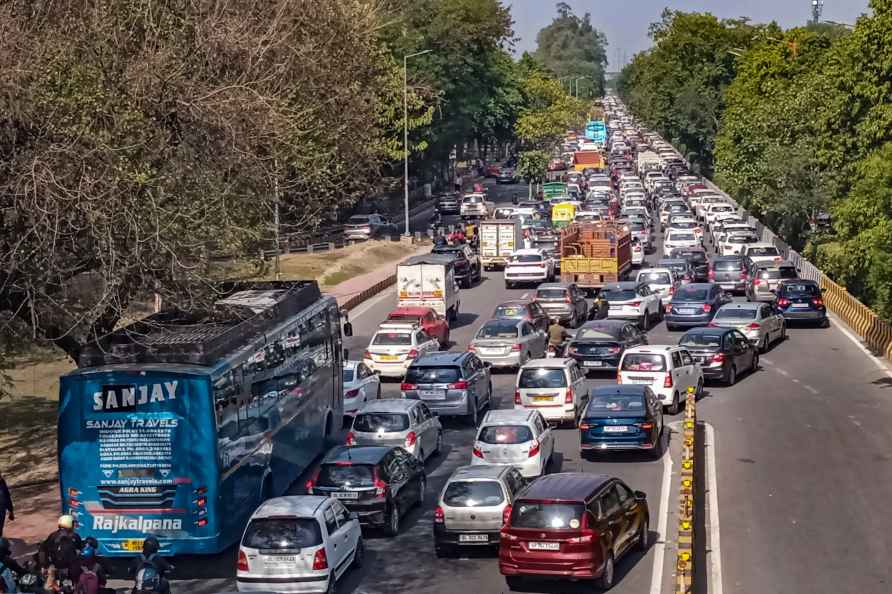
493, 170
425, 317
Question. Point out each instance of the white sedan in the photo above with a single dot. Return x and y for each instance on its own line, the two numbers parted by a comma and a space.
361, 384
679, 238
395, 346
530, 265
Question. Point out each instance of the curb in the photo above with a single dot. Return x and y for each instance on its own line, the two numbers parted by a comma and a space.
684, 564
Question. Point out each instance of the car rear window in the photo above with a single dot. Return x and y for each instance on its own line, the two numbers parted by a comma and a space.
392, 339
473, 494
357, 220
728, 264
510, 311
498, 329
505, 434
801, 289
380, 421
686, 294
700, 340
775, 273
736, 313
282, 533
619, 294
762, 251
643, 362
681, 237
741, 239
551, 294
432, 375
346, 475
547, 516
542, 378
616, 405
527, 258
656, 278
682, 225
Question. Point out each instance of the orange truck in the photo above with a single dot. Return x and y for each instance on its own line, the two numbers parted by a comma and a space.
594, 254
588, 160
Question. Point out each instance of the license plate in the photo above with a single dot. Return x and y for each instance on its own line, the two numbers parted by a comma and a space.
642, 381
544, 546
800, 305
593, 363
433, 394
541, 398
345, 495
687, 311
490, 351
616, 429
388, 358
133, 545
473, 538
280, 560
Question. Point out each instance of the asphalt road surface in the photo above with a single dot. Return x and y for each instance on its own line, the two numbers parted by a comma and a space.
804, 471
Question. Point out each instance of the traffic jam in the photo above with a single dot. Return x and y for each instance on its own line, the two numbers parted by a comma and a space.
624, 283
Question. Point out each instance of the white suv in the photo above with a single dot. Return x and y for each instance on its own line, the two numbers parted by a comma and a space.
679, 238
662, 281
529, 266
668, 370
630, 300
310, 540
554, 387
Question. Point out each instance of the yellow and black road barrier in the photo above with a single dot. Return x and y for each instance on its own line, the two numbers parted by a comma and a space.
684, 565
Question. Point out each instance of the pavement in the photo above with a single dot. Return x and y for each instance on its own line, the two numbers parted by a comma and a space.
802, 464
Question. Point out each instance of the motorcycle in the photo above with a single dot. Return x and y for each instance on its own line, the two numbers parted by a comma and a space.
556, 351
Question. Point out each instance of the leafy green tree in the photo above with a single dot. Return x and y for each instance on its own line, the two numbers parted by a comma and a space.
571, 47
532, 166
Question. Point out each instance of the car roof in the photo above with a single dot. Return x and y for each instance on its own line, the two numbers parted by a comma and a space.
709, 330
729, 257
480, 471
553, 286
621, 286
705, 286
619, 389
388, 405
554, 363
440, 358
672, 261
303, 506
798, 281
515, 303
358, 454
508, 415
605, 323
652, 348
654, 269
410, 311
567, 486
784, 264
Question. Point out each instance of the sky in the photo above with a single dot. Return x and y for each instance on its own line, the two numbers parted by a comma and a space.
625, 22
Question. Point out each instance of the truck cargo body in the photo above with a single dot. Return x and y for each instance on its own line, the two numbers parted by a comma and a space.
428, 281
594, 254
588, 160
498, 240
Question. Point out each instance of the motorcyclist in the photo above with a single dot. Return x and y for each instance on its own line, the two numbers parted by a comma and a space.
557, 334
61, 550
93, 575
149, 569
9, 568
440, 241
515, 199
456, 237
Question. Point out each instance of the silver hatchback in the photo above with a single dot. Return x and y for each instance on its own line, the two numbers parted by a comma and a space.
450, 383
508, 343
409, 424
472, 507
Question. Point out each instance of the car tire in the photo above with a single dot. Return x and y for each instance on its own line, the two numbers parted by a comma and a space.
657, 452
642, 322
332, 584
421, 455
671, 327
359, 554
783, 335
473, 413
605, 581
825, 323
422, 487
763, 345
393, 520
755, 362
732, 376
444, 552
675, 407
378, 393
509, 285
643, 536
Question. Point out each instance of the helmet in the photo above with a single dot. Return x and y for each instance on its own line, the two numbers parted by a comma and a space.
88, 552
66, 522
90, 540
5, 547
151, 546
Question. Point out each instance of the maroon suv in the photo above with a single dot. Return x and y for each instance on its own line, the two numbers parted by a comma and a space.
573, 526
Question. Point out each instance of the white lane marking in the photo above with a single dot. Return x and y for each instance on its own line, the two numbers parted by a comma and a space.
765, 361
795, 381
783, 372
370, 303
712, 487
878, 361
810, 389
656, 578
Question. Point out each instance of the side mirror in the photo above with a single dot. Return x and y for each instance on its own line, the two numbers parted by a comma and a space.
348, 329
640, 496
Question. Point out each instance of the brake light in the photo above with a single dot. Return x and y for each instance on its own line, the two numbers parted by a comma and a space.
783, 302
242, 561
667, 381
614, 350
647, 426
506, 515
478, 453
534, 449
634, 304
380, 486
411, 438
412, 354
516, 396
439, 516
567, 299
568, 397
718, 358
712, 274
310, 483
351, 393
707, 308
459, 385
516, 347
584, 426
404, 386
366, 355
619, 377
320, 560
672, 290
817, 301
351, 439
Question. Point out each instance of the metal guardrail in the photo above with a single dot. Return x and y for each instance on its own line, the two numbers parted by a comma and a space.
684, 563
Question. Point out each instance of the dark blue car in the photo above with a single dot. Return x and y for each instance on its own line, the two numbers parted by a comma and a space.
801, 300
622, 417
694, 305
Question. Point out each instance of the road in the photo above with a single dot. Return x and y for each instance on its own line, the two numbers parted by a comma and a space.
803, 468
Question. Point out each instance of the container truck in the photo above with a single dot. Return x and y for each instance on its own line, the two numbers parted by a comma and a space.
498, 240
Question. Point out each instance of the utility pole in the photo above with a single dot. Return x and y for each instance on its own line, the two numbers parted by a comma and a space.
276, 217
817, 7
406, 132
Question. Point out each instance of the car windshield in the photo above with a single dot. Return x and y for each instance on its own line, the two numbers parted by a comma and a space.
619, 294
357, 220
473, 494
736, 313
801, 289
505, 434
510, 311
700, 340
547, 516
643, 362
775, 273
690, 294
282, 533
404, 318
381, 421
527, 258
616, 405
392, 339
432, 375
345, 474
542, 378
551, 294
347, 375
681, 237
498, 329
655, 278
762, 251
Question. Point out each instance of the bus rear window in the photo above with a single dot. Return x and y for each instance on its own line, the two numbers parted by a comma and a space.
282, 533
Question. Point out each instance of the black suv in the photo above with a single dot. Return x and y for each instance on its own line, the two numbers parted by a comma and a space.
449, 204
379, 483
467, 264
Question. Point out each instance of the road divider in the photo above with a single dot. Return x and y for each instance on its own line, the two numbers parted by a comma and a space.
684, 565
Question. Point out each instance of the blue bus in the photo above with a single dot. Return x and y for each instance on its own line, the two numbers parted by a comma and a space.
181, 424
596, 131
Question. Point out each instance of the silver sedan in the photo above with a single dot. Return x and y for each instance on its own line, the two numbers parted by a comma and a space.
759, 322
508, 343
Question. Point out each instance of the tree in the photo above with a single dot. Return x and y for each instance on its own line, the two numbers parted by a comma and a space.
571, 47
532, 166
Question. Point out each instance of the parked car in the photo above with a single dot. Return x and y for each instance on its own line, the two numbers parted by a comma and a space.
759, 322
764, 279
564, 302
379, 483
429, 320
669, 370
370, 226
633, 300
722, 353
472, 506
622, 417
730, 272
395, 422
450, 383
523, 309
801, 301
395, 345
695, 305
301, 539
661, 281
361, 385
599, 345
468, 269
554, 387
529, 265
508, 343
572, 524
516, 437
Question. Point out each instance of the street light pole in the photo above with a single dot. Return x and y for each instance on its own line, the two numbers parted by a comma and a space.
406, 132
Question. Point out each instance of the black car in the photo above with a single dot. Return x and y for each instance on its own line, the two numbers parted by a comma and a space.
681, 267
379, 483
467, 265
722, 353
599, 345
449, 204
698, 260
695, 304
801, 300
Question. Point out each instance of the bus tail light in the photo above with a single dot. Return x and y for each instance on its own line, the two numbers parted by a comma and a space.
242, 561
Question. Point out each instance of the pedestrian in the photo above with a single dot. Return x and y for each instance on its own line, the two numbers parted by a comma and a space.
5, 504
458, 182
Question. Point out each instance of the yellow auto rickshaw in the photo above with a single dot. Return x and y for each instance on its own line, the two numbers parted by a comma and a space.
562, 214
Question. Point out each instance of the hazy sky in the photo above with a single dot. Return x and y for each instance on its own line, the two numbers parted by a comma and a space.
625, 22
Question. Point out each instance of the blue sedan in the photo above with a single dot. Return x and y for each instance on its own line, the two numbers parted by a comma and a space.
694, 305
622, 417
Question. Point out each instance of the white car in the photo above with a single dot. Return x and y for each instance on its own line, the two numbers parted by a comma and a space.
761, 253
734, 242
554, 387
662, 281
361, 384
716, 208
679, 238
669, 371
729, 227
395, 346
474, 205
637, 253
530, 265
685, 223
630, 300
515, 437
309, 541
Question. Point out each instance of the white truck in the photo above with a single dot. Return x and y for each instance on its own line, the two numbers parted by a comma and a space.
498, 240
649, 161
428, 281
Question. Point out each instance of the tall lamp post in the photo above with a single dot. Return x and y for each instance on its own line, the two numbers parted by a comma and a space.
406, 130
